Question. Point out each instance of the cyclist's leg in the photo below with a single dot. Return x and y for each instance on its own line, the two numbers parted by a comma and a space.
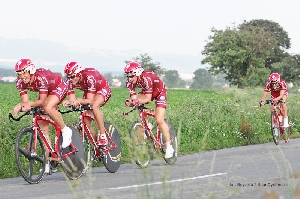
50, 106
100, 99
88, 122
285, 111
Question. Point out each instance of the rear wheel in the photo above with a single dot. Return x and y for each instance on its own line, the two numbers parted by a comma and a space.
141, 145
174, 143
112, 159
74, 165
31, 165
275, 128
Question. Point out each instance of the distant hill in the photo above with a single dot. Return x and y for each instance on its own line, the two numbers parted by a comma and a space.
54, 55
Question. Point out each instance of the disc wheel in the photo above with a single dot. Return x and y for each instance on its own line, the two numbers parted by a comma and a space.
74, 165
112, 159
30, 165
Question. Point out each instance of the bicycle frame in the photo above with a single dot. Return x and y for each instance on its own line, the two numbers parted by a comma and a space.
54, 150
143, 114
86, 131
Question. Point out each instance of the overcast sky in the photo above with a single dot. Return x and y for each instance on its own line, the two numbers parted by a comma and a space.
152, 26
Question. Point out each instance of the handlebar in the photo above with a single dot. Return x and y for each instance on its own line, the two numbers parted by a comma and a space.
40, 111
33, 111
271, 101
140, 108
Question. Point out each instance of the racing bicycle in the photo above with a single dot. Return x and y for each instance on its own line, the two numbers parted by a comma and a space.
277, 121
110, 155
147, 138
30, 149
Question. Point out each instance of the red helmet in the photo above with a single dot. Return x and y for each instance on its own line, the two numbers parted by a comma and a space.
25, 65
73, 68
274, 78
133, 67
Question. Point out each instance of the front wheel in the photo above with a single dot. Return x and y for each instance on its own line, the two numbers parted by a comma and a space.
141, 146
31, 165
112, 159
174, 143
275, 128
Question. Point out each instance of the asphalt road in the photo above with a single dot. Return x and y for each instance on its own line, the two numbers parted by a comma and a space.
256, 171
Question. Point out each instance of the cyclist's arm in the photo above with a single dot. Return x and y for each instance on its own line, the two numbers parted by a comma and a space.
143, 99
282, 92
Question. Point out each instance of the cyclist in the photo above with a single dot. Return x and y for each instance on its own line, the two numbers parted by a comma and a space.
96, 92
152, 88
279, 91
52, 90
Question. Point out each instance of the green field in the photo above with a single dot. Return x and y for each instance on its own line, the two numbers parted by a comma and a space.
204, 120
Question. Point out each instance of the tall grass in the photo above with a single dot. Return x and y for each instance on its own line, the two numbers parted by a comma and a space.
207, 119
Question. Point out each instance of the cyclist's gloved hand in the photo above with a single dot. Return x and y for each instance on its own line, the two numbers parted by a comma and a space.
128, 103
274, 102
261, 102
136, 102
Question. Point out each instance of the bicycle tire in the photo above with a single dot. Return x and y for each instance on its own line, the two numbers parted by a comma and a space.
87, 150
141, 150
31, 167
112, 159
275, 129
74, 165
174, 143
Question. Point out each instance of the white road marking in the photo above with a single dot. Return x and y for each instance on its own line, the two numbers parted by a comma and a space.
170, 181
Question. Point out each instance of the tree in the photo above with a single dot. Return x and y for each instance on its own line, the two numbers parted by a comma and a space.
171, 78
146, 62
232, 52
281, 36
202, 79
289, 69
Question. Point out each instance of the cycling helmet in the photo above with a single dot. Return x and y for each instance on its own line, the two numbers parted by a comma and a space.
73, 68
133, 67
274, 78
24, 65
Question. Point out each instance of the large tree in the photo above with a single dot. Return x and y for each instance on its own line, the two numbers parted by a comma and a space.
281, 36
232, 52
147, 63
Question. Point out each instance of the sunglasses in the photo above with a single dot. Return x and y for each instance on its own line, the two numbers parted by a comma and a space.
130, 76
22, 73
71, 76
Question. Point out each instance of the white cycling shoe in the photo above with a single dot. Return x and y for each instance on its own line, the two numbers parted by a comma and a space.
169, 152
67, 137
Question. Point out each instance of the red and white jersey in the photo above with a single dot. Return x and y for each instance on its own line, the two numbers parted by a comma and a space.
149, 82
91, 81
275, 89
45, 81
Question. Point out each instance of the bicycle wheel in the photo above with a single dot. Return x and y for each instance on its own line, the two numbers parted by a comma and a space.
141, 145
87, 150
30, 165
112, 159
74, 165
174, 143
275, 128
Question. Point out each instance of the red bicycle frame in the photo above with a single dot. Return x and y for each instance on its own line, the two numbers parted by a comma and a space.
85, 130
53, 151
